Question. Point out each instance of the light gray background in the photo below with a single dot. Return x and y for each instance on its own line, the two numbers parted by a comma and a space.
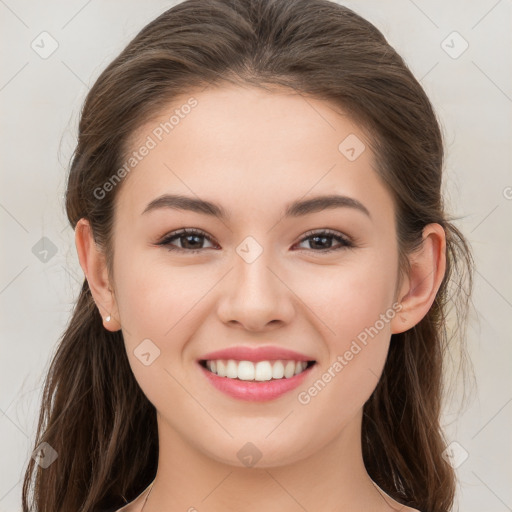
40, 101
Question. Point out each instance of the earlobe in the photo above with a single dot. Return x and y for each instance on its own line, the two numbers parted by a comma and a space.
427, 270
93, 263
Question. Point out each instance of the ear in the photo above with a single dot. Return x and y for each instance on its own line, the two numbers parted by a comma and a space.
427, 269
93, 263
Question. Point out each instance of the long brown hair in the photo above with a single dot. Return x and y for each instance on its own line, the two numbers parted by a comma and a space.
93, 413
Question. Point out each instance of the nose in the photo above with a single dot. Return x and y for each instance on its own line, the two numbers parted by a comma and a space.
255, 297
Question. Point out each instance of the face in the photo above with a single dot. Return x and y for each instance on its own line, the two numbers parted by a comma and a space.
319, 281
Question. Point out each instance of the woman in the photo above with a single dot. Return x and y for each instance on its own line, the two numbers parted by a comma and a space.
256, 198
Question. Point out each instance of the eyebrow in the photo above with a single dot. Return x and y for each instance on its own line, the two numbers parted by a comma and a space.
295, 209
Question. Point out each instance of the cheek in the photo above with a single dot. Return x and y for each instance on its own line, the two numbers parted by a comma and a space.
349, 299
357, 352
160, 302
353, 310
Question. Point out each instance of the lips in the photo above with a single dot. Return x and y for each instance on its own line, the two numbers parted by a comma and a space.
255, 355
263, 387
253, 391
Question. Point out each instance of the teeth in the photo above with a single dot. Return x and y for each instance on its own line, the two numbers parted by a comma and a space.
260, 371
278, 370
231, 369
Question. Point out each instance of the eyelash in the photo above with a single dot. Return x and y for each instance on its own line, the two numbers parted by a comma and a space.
346, 243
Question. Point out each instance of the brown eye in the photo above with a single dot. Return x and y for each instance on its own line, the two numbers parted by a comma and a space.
189, 239
323, 240
192, 240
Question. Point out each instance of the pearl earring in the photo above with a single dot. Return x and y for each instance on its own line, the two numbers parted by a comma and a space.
107, 319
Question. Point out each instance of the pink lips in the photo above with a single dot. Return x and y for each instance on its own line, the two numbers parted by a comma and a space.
255, 391
256, 354
251, 390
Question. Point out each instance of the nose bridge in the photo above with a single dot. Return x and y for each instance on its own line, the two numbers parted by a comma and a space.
255, 296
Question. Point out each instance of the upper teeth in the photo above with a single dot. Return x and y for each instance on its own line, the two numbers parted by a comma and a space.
261, 371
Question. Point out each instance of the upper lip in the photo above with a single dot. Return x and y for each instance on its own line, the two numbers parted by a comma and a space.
242, 353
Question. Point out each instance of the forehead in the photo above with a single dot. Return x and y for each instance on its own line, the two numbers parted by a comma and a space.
251, 148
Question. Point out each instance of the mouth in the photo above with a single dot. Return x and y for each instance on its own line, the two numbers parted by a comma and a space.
261, 371
255, 381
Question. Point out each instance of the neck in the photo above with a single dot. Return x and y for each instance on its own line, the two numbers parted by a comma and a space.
334, 478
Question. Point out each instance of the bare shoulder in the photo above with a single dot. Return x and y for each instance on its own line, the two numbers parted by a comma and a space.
137, 504
398, 507
125, 508
133, 506
130, 507
394, 505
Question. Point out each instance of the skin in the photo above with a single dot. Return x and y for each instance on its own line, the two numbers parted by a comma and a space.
253, 152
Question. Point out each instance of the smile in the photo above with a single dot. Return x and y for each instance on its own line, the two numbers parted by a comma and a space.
255, 381
260, 371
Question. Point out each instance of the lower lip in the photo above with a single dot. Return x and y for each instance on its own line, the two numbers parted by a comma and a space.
255, 391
